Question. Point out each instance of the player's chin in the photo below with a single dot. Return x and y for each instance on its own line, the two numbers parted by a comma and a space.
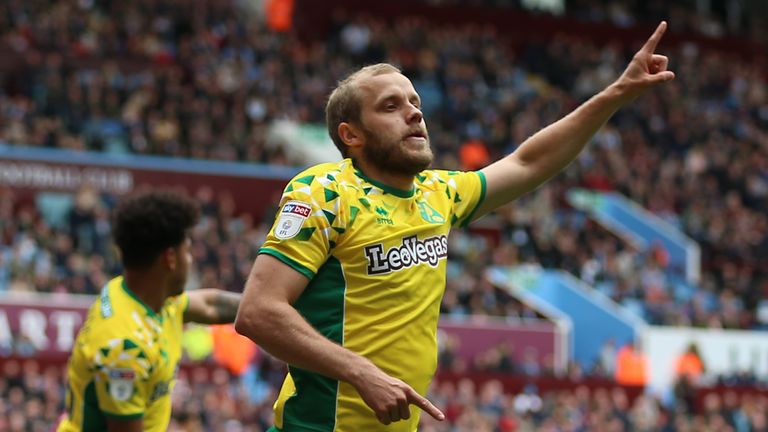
416, 163
423, 156
413, 143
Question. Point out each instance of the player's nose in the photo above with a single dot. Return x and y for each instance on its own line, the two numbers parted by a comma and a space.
414, 114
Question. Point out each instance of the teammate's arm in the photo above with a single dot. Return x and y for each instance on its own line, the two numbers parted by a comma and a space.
267, 317
551, 149
211, 306
118, 425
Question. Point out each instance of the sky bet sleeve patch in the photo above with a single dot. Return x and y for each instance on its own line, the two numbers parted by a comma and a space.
121, 383
292, 217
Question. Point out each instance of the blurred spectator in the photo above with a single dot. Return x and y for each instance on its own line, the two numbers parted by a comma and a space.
473, 155
531, 365
690, 365
608, 358
631, 366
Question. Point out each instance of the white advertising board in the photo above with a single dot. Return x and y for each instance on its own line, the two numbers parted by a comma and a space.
722, 351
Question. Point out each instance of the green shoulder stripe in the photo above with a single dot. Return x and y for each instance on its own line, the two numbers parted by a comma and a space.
479, 201
288, 261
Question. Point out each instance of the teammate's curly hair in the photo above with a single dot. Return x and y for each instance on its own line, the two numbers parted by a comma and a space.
146, 224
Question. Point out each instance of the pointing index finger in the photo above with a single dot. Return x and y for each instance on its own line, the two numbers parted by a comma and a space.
425, 404
650, 44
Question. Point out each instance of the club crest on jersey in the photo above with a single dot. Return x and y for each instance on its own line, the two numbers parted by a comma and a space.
410, 253
291, 218
429, 214
120, 383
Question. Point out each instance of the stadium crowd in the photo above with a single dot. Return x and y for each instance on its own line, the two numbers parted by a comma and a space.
75, 254
202, 84
713, 19
31, 400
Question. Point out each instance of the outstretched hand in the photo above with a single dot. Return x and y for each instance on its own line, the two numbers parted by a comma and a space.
647, 68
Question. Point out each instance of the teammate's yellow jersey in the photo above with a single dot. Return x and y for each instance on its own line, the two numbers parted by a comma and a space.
376, 260
124, 361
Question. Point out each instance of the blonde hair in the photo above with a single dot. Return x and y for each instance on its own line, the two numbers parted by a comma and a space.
344, 104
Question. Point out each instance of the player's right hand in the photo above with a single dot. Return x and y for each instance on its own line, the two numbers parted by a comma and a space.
646, 69
390, 398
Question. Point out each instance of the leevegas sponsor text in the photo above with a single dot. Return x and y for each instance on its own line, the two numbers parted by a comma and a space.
411, 252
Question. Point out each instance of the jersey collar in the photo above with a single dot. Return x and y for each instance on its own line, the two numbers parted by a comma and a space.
133, 295
400, 193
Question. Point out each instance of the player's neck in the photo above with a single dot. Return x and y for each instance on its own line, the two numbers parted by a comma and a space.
148, 287
402, 182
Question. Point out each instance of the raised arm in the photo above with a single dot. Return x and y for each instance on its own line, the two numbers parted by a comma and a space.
211, 306
267, 317
550, 150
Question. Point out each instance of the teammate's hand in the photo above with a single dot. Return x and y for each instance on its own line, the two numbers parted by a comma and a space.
390, 398
647, 68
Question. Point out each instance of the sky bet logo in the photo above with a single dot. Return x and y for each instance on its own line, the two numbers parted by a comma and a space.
291, 218
410, 253
296, 208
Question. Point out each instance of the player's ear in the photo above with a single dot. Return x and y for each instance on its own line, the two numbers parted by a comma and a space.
170, 258
351, 135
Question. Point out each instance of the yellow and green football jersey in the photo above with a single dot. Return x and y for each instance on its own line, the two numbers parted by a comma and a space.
376, 260
124, 361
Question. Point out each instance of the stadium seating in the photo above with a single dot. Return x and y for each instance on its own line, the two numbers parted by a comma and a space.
208, 93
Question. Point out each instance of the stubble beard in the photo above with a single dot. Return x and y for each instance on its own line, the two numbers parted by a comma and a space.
392, 157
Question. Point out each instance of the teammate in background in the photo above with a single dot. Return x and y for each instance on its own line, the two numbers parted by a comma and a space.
124, 363
347, 287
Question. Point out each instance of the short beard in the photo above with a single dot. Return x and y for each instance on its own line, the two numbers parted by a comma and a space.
392, 158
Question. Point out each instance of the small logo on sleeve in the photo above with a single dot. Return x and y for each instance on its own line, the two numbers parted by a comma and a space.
291, 218
121, 383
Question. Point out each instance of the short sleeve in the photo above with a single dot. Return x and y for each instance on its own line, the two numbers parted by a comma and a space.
307, 225
467, 191
122, 379
178, 305
182, 302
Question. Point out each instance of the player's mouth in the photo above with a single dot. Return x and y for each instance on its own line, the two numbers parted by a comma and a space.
417, 135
